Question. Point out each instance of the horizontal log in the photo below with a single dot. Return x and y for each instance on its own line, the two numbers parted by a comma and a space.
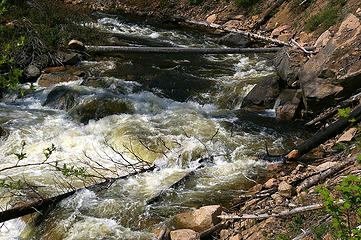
172, 50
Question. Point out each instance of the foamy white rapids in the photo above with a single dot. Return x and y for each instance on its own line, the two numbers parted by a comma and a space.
171, 134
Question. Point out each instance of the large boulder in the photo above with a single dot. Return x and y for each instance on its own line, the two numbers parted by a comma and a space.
288, 104
288, 62
234, 40
184, 234
97, 107
335, 72
64, 97
263, 95
200, 219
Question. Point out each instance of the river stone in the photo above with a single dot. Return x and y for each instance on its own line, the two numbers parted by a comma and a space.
272, 182
32, 72
200, 219
63, 97
4, 133
184, 234
285, 189
234, 40
99, 107
263, 95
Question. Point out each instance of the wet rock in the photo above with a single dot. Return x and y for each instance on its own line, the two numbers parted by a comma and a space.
234, 40
200, 219
263, 95
69, 58
334, 72
184, 234
289, 101
4, 133
50, 79
287, 63
32, 72
63, 97
99, 107
272, 182
285, 189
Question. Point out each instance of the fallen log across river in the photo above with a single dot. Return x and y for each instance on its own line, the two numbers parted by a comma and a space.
173, 50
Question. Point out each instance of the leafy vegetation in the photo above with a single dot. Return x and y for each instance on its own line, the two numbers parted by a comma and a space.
327, 17
345, 210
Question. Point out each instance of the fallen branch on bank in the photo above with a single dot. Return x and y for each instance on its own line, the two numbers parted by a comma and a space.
244, 33
176, 50
315, 179
280, 214
215, 228
325, 134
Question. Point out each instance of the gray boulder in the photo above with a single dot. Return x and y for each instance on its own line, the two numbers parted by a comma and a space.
234, 40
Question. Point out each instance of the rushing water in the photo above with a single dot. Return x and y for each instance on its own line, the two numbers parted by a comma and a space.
181, 105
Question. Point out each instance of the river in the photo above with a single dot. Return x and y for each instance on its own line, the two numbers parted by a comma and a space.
182, 107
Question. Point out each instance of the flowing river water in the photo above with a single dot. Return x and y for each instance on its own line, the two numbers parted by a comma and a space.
182, 105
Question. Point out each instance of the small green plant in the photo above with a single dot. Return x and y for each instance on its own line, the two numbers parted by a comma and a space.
326, 18
71, 171
2, 7
346, 210
319, 231
11, 185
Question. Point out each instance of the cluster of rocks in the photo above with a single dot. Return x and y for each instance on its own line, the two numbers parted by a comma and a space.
306, 85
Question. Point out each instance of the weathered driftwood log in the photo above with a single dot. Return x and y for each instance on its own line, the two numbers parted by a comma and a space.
325, 134
173, 50
280, 214
45, 203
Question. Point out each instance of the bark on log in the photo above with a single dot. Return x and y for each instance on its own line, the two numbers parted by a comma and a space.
325, 134
47, 202
173, 50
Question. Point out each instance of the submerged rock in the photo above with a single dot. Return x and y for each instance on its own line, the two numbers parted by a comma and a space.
99, 107
263, 95
4, 133
63, 97
200, 219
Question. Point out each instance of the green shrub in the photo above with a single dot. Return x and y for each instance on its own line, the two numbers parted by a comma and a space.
345, 211
324, 19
